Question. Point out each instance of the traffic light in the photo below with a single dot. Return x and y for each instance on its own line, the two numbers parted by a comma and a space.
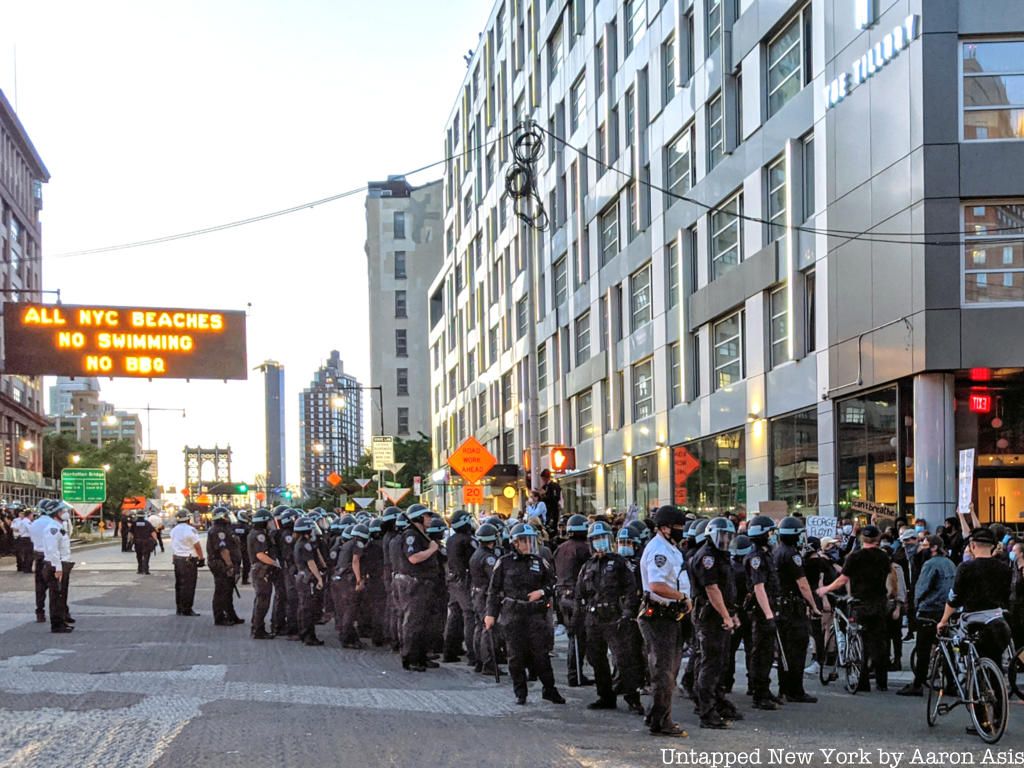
286, 495
242, 488
562, 459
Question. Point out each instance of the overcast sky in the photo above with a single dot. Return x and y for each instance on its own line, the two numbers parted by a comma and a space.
160, 117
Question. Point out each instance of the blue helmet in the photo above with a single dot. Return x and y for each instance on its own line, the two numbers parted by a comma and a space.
415, 512
741, 546
304, 524
486, 533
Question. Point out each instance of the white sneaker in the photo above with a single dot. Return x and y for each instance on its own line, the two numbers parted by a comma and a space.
811, 670
559, 631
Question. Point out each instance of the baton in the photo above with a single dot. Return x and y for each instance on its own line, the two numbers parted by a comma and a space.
783, 664
494, 657
234, 586
579, 664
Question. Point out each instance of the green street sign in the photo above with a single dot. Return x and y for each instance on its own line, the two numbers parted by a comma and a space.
83, 486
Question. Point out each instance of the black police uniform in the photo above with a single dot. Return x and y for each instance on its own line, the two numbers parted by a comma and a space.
304, 551
386, 609
438, 596
241, 531
396, 554
462, 617
794, 627
286, 539
220, 539
258, 542
481, 566
983, 584
569, 560
371, 606
743, 634
711, 567
607, 597
760, 569
343, 589
419, 584
523, 623
142, 533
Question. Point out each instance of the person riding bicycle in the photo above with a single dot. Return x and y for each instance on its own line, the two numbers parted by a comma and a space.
866, 571
982, 584
933, 585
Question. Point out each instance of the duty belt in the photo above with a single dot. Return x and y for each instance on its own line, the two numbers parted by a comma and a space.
536, 606
676, 611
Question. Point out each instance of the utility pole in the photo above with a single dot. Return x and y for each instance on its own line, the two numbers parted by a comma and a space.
149, 418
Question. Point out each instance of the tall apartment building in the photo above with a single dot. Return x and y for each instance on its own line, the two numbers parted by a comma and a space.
98, 423
330, 424
22, 422
403, 254
785, 259
61, 393
273, 395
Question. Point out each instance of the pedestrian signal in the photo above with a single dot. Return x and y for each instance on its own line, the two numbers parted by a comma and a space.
562, 459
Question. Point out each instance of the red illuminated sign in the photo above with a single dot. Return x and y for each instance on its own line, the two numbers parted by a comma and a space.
980, 402
981, 374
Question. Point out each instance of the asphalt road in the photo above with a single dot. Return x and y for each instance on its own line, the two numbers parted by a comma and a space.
135, 685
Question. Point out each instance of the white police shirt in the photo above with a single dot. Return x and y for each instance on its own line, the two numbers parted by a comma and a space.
37, 531
662, 562
56, 543
20, 527
183, 540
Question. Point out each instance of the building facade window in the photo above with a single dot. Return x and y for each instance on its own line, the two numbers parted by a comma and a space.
789, 61
403, 421
599, 68
399, 224
679, 163
719, 485
608, 223
993, 253
672, 273
727, 337
560, 284
640, 298
993, 89
577, 103
645, 482
583, 338
810, 312
716, 132
712, 25
726, 236
794, 460
775, 175
808, 175
402, 381
400, 305
675, 374
556, 53
584, 415
522, 317
401, 343
778, 326
643, 390
542, 366
400, 265
867, 440
668, 69
635, 19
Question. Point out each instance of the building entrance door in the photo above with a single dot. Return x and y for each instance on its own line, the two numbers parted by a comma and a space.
999, 490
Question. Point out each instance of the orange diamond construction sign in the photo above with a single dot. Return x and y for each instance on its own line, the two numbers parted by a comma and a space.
472, 460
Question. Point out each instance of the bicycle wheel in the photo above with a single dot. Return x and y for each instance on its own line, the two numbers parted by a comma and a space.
913, 659
989, 702
936, 687
851, 667
1015, 675
827, 667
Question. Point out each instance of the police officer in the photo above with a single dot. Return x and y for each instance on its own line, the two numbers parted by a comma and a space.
241, 530
396, 554
606, 595
692, 542
264, 567
569, 559
187, 557
763, 584
387, 533
666, 586
715, 621
795, 600
417, 572
436, 530
630, 544
374, 593
288, 621
348, 584
739, 549
22, 539
308, 578
56, 555
481, 565
220, 542
461, 615
37, 533
520, 592
144, 537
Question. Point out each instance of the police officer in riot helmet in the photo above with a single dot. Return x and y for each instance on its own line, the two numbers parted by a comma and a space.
763, 586
481, 564
520, 592
264, 566
569, 560
462, 618
417, 565
221, 548
795, 600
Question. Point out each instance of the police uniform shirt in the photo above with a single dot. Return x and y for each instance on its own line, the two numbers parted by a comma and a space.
371, 564
346, 554
515, 576
412, 542
183, 540
460, 549
481, 565
981, 584
607, 584
20, 527
217, 541
304, 551
789, 565
52, 543
662, 562
712, 568
569, 559
760, 570
37, 532
286, 545
258, 541
142, 530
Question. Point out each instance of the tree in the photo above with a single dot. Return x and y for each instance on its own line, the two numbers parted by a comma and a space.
126, 476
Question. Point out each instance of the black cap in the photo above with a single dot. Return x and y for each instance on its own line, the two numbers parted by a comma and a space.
983, 536
870, 532
668, 516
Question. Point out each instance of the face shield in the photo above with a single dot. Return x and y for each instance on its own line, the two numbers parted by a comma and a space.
526, 545
625, 547
601, 544
721, 538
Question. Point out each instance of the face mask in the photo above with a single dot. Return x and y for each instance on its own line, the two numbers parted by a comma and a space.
676, 534
626, 551
911, 549
773, 539
968, 557
919, 528
1013, 556
600, 545
833, 554
847, 529
1006, 539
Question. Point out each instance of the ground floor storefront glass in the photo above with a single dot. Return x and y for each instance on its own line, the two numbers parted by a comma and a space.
615, 486
794, 459
717, 484
645, 483
579, 493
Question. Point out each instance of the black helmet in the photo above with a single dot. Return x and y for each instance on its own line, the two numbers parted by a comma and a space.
720, 532
760, 525
790, 529
600, 536
287, 517
244, 516
348, 519
336, 527
220, 513
698, 530
401, 522
304, 524
361, 532
526, 532
183, 516
390, 514
461, 519
436, 527
415, 512
668, 516
576, 526
374, 527
279, 510
486, 533
741, 546
637, 531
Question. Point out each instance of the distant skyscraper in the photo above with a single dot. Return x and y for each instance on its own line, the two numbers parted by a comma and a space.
61, 393
273, 382
330, 424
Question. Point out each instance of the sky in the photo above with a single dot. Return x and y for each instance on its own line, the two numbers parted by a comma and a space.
165, 116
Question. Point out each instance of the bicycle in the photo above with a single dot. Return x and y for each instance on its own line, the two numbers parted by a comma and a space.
977, 683
844, 646
1015, 670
